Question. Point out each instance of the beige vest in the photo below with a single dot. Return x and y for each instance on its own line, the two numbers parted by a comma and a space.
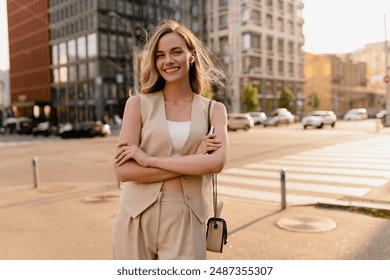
155, 141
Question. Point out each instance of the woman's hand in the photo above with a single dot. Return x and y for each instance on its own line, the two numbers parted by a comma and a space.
127, 150
209, 144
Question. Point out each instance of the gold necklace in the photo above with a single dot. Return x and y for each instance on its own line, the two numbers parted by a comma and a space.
178, 111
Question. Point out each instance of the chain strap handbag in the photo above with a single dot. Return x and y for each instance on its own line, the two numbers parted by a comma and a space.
216, 233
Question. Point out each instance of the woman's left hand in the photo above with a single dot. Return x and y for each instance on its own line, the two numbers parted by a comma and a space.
127, 150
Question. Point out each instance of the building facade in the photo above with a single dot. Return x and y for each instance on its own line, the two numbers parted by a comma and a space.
74, 61
95, 45
336, 83
259, 42
374, 55
4, 96
30, 78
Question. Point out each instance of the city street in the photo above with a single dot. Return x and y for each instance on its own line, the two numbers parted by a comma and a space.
351, 159
71, 213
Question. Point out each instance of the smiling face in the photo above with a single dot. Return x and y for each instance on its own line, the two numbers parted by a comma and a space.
173, 58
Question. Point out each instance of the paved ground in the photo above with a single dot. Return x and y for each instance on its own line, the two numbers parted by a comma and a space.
74, 221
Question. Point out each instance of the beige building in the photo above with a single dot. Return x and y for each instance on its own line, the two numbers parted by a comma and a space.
259, 41
375, 57
338, 82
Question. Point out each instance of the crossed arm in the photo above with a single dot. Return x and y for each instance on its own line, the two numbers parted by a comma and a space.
135, 165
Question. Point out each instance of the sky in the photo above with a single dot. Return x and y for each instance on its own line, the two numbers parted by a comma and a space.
331, 26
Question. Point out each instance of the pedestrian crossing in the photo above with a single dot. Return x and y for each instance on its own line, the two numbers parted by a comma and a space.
326, 175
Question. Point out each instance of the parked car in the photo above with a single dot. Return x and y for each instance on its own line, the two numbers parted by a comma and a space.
20, 125
356, 114
84, 129
380, 114
239, 121
279, 116
45, 129
258, 117
319, 118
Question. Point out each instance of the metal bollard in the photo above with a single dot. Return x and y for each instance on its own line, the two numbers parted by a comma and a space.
283, 187
118, 182
35, 171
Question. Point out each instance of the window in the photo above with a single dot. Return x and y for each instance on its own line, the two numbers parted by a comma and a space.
83, 71
281, 67
92, 45
72, 50
280, 5
54, 54
113, 46
81, 47
245, 15
280, 46
63, 74
63, 58
280, 24
269, 21
269, 66
223, 21
72, 73
92, 70
246, 41
270, 46
103, 44
223, 3
224, 45
291, 48
256, 17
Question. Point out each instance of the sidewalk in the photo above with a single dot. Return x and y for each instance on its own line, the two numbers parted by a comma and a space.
74, 222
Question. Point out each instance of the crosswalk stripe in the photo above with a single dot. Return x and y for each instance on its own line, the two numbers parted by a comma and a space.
354, 165
292, 199
345, 175
275, 184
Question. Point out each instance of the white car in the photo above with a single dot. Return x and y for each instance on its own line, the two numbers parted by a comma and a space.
258, 117
356, 115
239, 121
279, 116
319, 118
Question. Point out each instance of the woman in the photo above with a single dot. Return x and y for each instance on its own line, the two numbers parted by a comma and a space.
164, 156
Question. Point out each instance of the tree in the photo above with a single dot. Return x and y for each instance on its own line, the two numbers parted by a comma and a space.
316, 101
208, 93
286, 99
249, 97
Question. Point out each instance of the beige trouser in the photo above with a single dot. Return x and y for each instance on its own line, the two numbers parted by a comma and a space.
167, 230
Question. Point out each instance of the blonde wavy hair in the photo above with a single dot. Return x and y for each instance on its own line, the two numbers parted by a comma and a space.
202, 74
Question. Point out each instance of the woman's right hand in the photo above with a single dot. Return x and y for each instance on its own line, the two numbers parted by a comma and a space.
209, 144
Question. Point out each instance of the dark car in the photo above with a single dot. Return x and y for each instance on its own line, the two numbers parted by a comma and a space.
84, 130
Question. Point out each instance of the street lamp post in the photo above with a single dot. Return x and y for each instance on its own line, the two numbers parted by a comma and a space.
129, 30
387, 116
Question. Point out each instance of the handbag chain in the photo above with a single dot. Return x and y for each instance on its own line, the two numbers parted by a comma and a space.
214, 175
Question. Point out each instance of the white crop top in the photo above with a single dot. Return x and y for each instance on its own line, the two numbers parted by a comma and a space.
178, 132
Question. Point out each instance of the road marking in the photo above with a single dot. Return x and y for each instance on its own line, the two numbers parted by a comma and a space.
331, 172
301, 186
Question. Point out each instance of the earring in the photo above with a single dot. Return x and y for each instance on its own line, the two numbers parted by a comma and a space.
193, 60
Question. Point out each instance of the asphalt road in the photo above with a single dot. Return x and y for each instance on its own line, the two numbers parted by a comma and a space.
91, 160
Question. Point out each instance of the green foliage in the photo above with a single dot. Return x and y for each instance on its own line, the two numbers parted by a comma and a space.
316, 101
208, 93
286, 99
249, 97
